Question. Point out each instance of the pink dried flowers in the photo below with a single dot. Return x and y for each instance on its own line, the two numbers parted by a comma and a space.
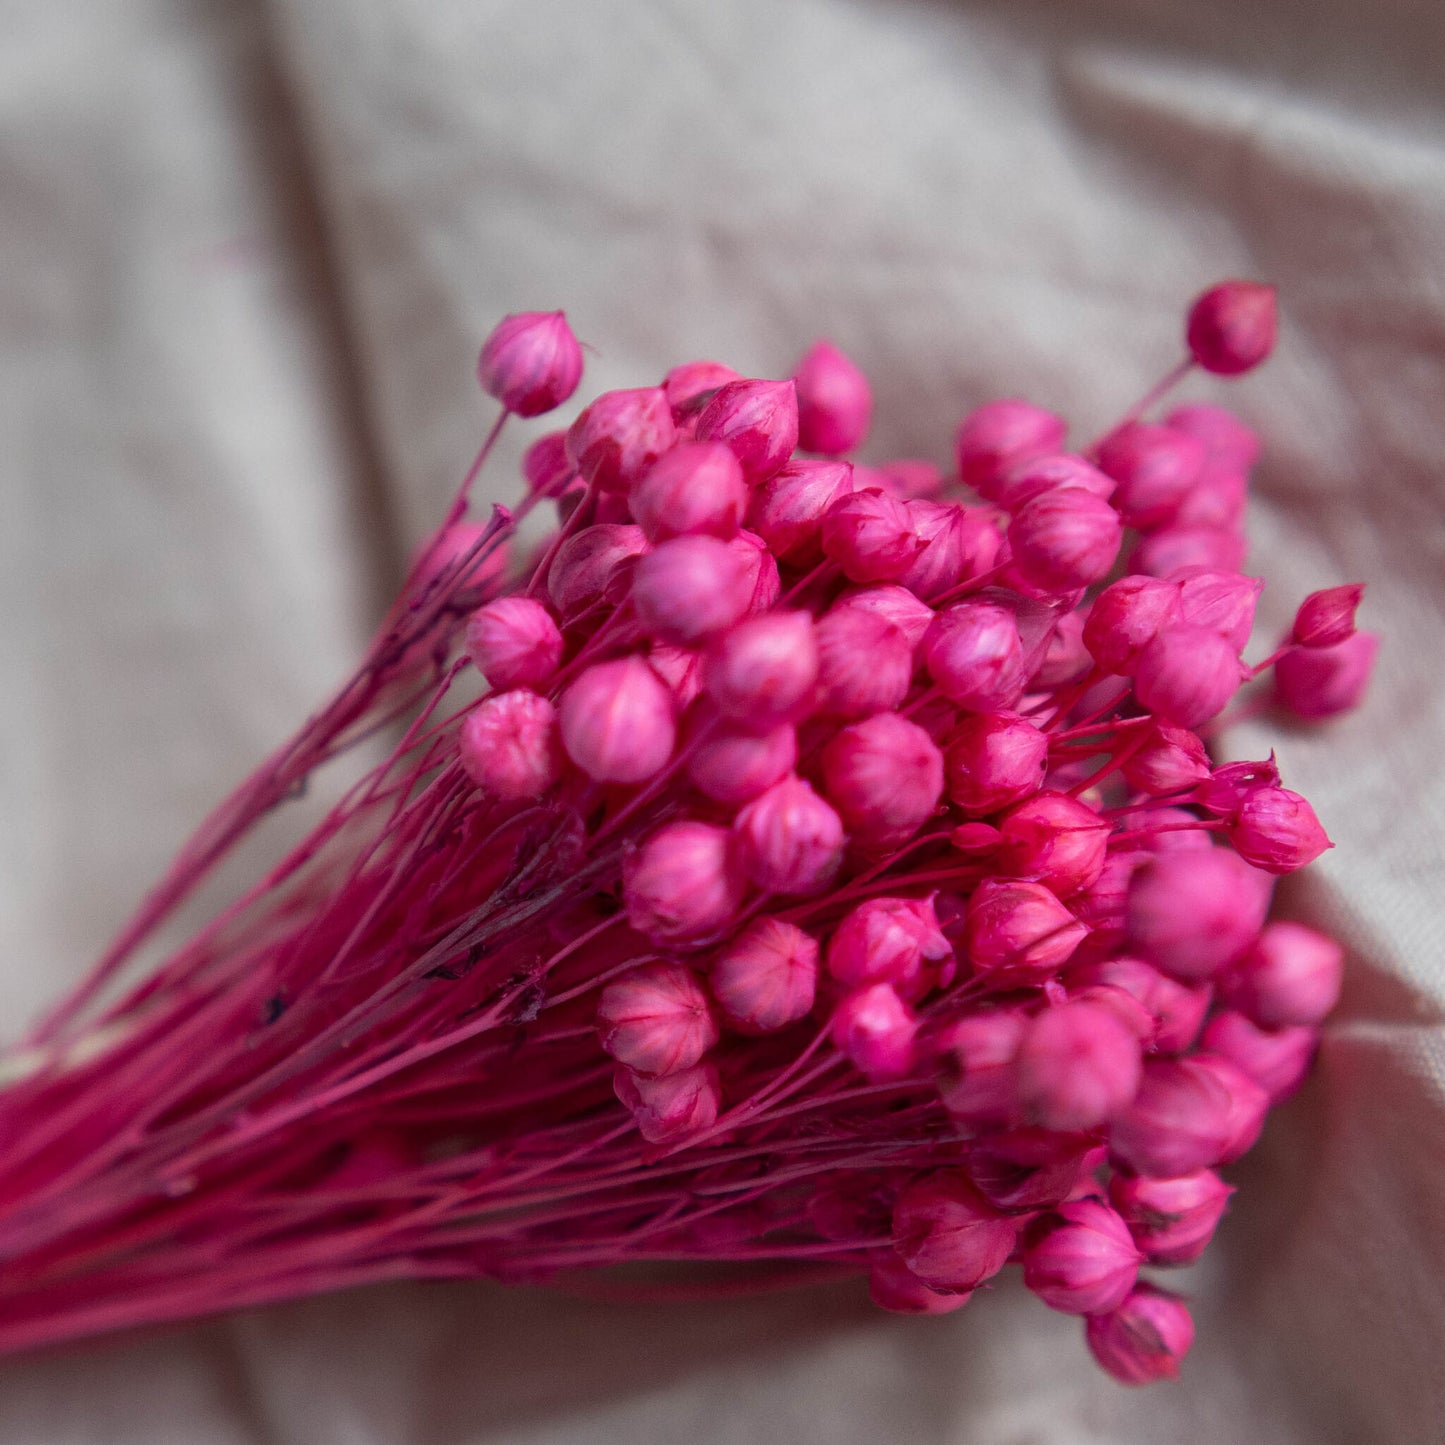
835, 872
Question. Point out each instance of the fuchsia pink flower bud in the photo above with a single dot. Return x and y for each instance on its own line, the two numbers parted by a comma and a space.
683, 884
1024, 1170
672, 1107
975, 1056
875, 1030
592, 565
1292, 975
1170, 760
1321, 682
508, 746
758, 420
956, 544
531, 362
949, 1235
1126, 617
888, 940
790, 840
690, 387
893, 1286
732, 766
1187, 675
1221, 602
680, 669
514, 642
1077, 1066
1064, 539
1232, 326
1055, 840
1144, 1339
618, 437
870, 536
1192, 913
1275, 1059
911, 478
1155, 468
447, 557
1176, 1009
1019, 927
1189, 1113
1327, 618
697, 487
1173, 549
974, 653
688, 588
763, 670
656, 1019
1228, 785
1066, 659
1277, 830
885, 777
865, 663
998, 436
764, 587
835, 402
767, 977
1228, 442
1083, 1261
994, 759
546, 466
618, 723
1171, 1220
1039, 476
893, 604
787, 509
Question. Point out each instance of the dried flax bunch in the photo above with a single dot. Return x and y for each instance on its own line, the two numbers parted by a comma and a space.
832, 877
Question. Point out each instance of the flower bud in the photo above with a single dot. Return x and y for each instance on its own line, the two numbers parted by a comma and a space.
1276, 1059
680, 669
1177, 548
1321, 682
508, 746
656, 1019
1170, 760
1185, 1116
1126, 617
1024, 1170
1064, 539
688, 588
1292, 975
758, 420
1055, 840
673, 1107
865, 664
998, 436
761, 568
875, 1030
1228, 442
1327, 618
1144, 1339
1229, 785
1039, 476
695, 488
691, 386
1171, 1220
887, 940
893, 1286
885, 777
1066, 660
974, 653
975, 1056
683, 884
618, 723
1076, 1067
911, 478
546, 466
1103, 904
1221, 602
514, 642
893, 604
732, 766
956, 544
767, 977
835, 402
949, 1235
1187, 675
616, 439
1232, 326
1277, 830
789, 839
1155, 468
447, 558
787, 510
1176, 1010
761, 672
994, 759
593, 565
531, 362
1192, 913
870, 536
1084, 1260
1020, 927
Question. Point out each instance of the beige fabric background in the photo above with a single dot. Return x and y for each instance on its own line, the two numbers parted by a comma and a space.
247, 253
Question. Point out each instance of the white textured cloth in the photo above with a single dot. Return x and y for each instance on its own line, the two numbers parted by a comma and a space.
248, 249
